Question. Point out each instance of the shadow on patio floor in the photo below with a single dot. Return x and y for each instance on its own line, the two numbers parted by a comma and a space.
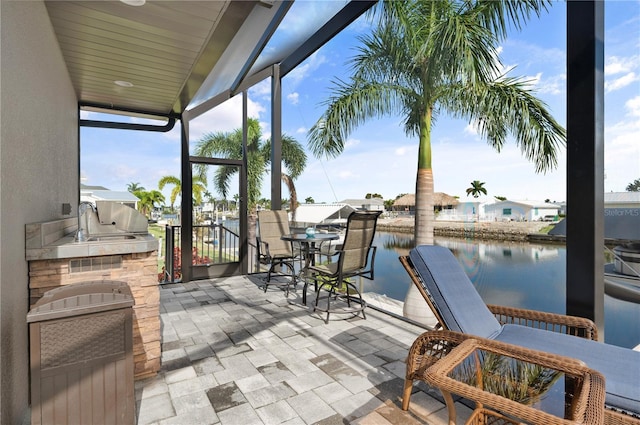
233, 354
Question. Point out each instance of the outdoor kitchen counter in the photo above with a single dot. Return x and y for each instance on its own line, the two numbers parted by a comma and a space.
56, 239
56, 259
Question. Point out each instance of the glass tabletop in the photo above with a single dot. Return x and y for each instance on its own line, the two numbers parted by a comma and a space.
303, 237
537, 387
531, 384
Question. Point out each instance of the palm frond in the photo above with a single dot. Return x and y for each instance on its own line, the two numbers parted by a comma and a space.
508, 105
350, 106
498, 15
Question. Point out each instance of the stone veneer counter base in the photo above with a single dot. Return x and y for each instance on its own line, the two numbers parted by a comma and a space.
139, 270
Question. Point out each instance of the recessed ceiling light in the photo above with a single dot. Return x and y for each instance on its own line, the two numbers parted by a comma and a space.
134, 2
123, 83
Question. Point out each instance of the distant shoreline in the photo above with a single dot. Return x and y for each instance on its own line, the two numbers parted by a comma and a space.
503, 231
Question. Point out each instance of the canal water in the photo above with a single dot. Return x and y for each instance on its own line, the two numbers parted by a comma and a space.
516, 274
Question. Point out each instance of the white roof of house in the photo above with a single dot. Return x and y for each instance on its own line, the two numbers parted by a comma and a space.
479, 200
621, 197
322, 213
109, 195
360, 202
532, 204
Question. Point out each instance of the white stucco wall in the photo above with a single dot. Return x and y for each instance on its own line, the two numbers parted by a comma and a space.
38, 173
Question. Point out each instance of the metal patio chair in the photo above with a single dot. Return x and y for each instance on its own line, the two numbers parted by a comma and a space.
272, 250
355, 258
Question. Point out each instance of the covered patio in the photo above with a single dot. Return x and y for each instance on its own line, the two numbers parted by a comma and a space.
51, 71
233, 354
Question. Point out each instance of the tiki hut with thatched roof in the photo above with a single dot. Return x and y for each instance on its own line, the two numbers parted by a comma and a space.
441, 201
405, 203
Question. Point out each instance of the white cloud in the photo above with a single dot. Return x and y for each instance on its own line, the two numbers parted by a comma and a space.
302, 71
622, 150
293, 98
225, 117
633, 105
301, 130
351, 143
262, 89
621, 82
358, 172
506, 173
535, 80
471, 129
554, 85
620, 65
347, 174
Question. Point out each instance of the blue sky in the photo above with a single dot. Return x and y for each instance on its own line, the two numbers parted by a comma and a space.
379, 157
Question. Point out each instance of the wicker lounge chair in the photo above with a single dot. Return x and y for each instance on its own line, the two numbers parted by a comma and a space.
458, 307
583, 402
272, 249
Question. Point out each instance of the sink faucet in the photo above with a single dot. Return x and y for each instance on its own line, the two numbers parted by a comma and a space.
82, 233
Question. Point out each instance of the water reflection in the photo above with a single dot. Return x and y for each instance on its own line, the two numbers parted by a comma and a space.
506, 273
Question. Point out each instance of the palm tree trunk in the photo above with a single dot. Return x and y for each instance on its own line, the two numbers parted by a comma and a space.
414, 307
423, 228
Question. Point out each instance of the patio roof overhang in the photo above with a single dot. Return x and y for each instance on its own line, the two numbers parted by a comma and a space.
160, 58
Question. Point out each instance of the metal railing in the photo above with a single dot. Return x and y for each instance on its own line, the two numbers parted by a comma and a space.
211, 244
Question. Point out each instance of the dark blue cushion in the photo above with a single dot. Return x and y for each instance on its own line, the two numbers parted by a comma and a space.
620, 366
457, 300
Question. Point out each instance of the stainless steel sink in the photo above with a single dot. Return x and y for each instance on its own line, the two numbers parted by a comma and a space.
107, 238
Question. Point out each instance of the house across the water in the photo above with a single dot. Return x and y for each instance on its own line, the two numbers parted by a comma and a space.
99, 193
521, 211
327, 214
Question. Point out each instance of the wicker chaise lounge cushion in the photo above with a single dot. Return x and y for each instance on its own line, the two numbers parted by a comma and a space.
462, 310
620, 366
453, 294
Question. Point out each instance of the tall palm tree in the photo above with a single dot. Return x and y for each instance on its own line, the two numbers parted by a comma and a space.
477, 188
198, 184
229, 145
426, 57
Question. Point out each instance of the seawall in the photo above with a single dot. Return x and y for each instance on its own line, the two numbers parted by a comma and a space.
505, 231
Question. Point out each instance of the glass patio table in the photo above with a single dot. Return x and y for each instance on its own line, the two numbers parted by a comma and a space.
309, 249
512, 385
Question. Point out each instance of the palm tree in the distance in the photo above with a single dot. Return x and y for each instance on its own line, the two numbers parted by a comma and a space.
199, 187
430, 57
134, 187
477, 188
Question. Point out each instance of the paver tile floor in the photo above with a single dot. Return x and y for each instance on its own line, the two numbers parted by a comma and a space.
233, 354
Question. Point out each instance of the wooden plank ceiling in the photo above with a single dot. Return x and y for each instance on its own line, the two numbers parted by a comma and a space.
152, 57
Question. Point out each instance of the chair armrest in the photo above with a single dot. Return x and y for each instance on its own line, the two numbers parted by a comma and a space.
430, 347
570, 325
263, 254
